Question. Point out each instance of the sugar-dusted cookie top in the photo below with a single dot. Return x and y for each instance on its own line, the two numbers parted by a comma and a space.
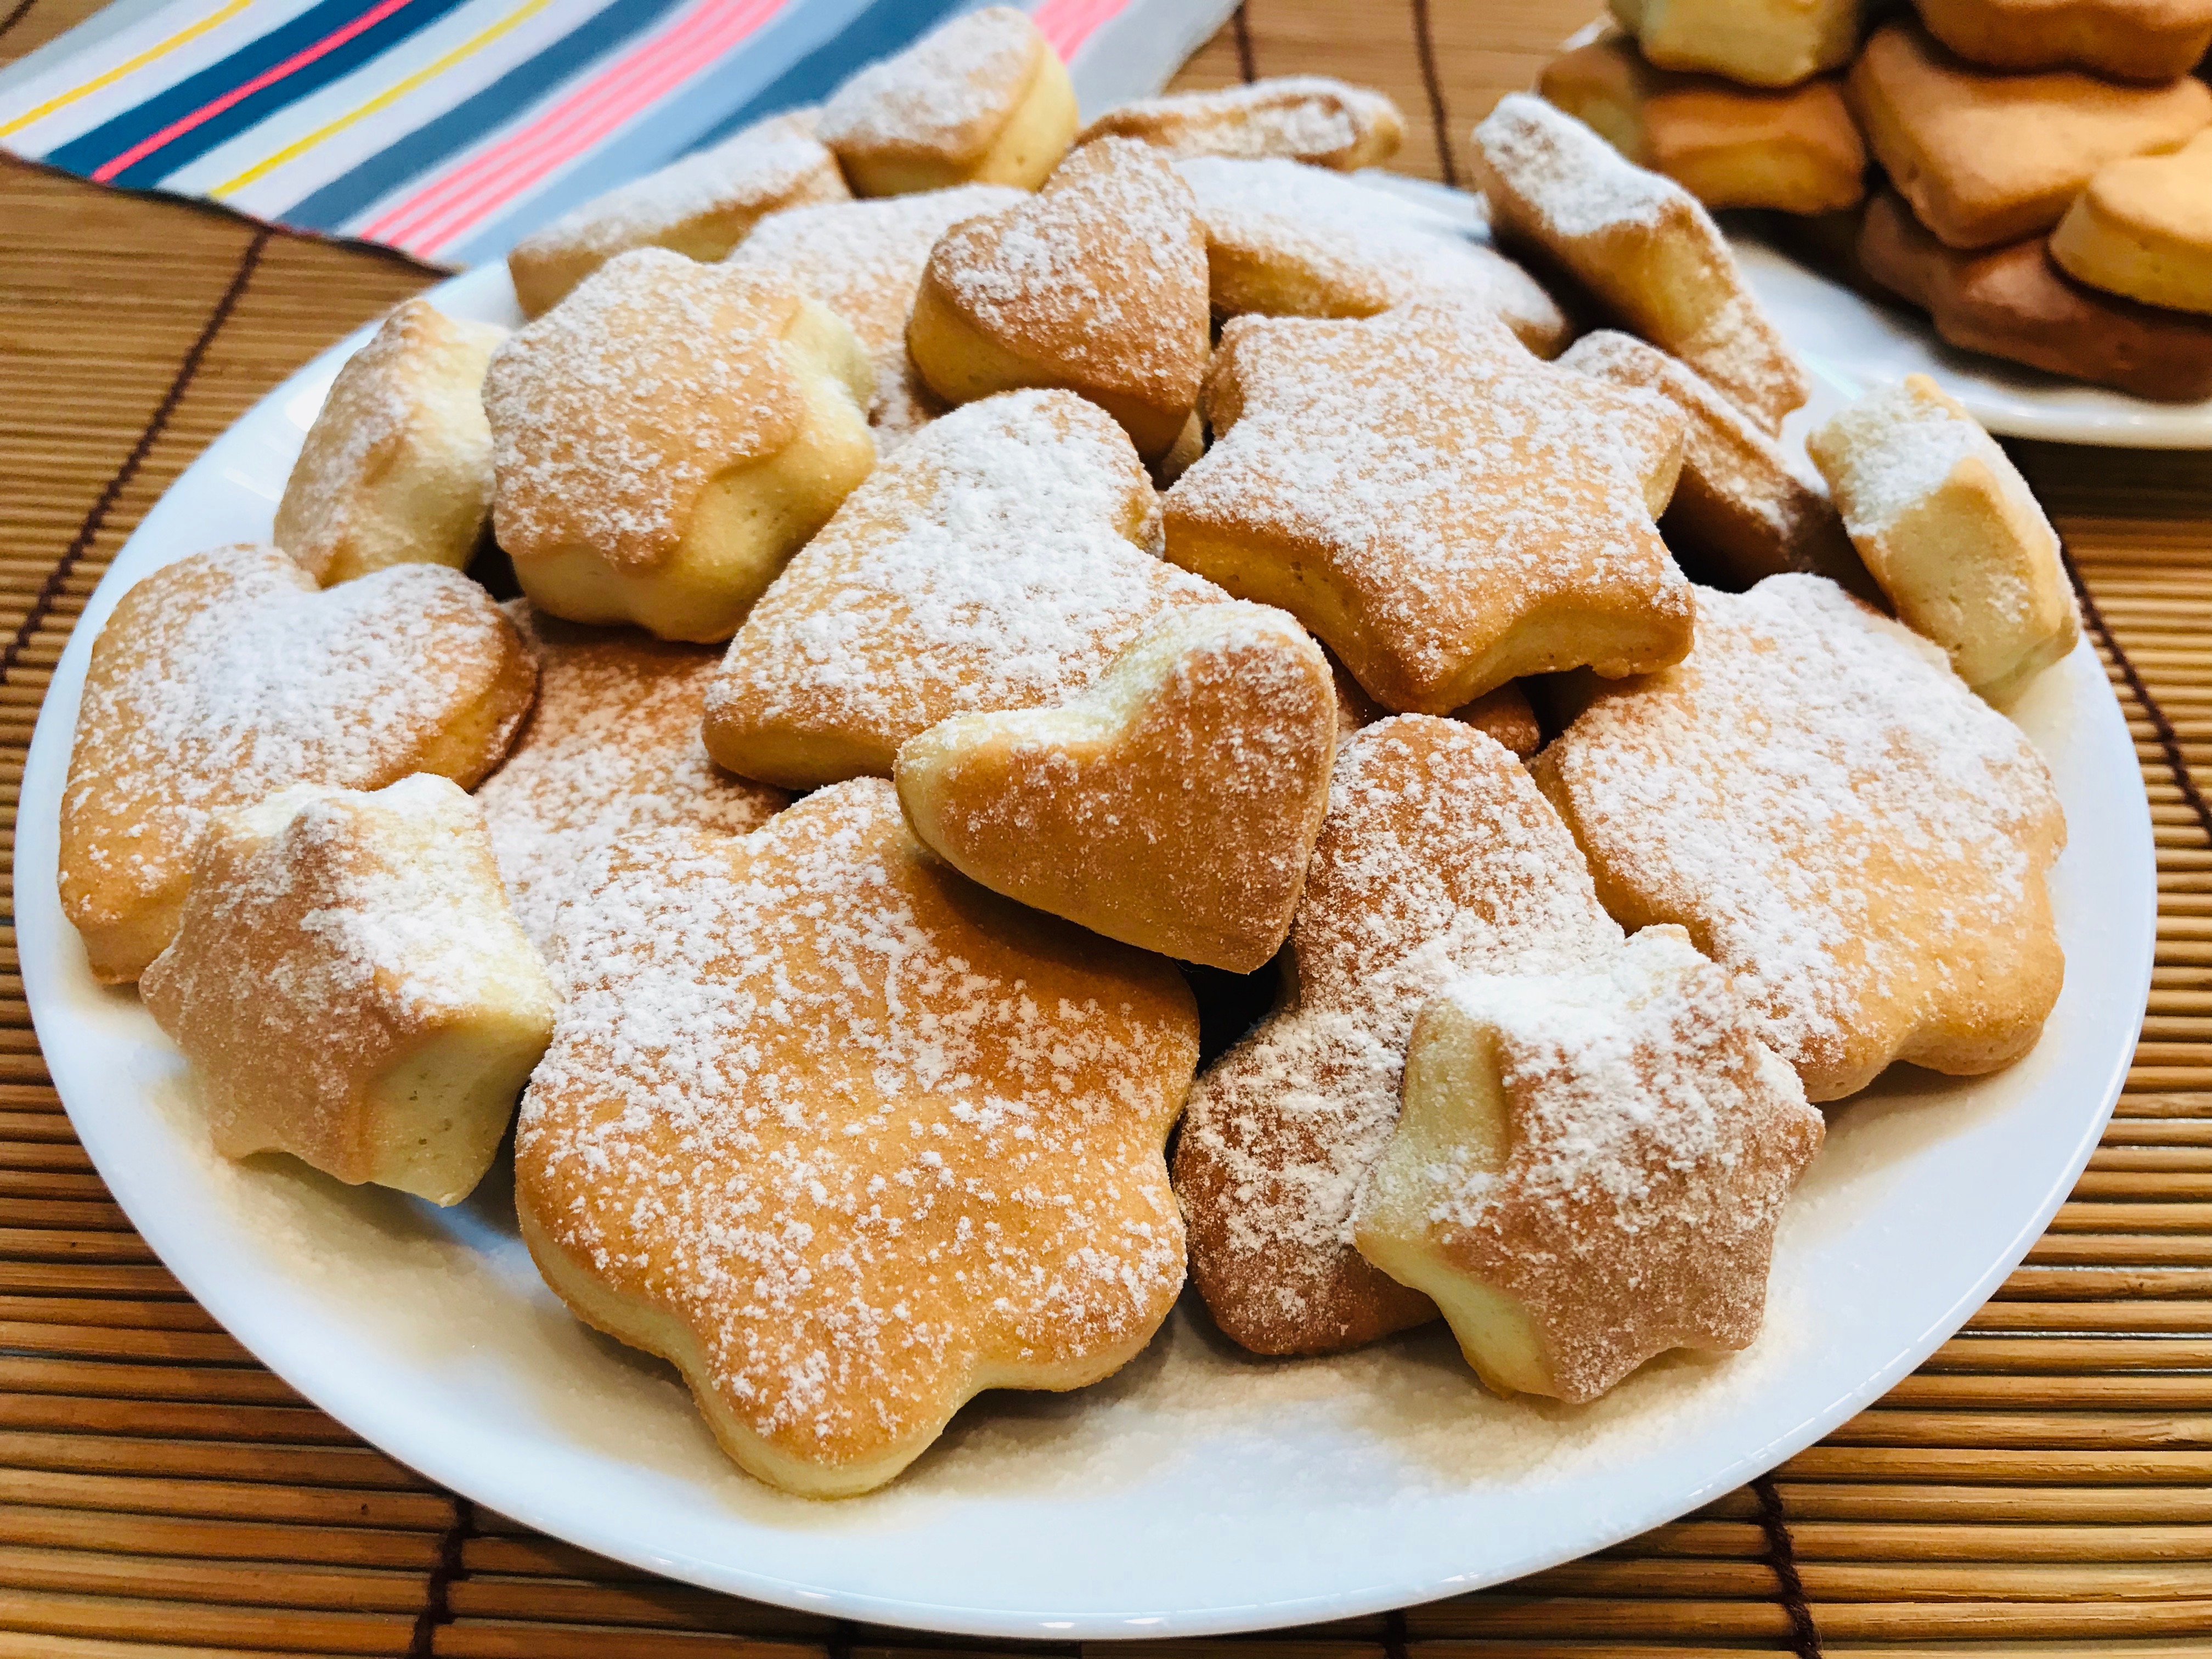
1287, 241
1300, 117
397, 466
667, 435
1000, 559
611, 751
225, 677
1444, 510
350, 988
1839, 822
1641, 244
981, 99
864, 260
1437, 857
700, 206
849, 1138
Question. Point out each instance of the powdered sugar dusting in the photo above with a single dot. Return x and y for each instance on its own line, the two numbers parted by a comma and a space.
1836, 819
1300, 117
876, 1137
612, 750
1903, 443
1437, 857
611, 413
864, 260
1000, 560
1578, 183
947, 95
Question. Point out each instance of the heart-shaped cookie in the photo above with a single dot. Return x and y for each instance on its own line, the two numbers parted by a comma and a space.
225, 677
1097, 284
1173, 807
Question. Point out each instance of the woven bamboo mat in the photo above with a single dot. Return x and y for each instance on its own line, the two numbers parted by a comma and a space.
2042, 1485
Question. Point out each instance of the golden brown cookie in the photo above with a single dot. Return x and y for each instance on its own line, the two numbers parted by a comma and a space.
2153, 40
1286, 240
611, 751
350, 988
1730, 146
1760, 43
397, 466
1001, 559
848, 1140
2015, 303
1300, 117
225, 677
980, 100
1986, 158
1640, 243
700, 206
1742, 500
1437, 858
667, 436
864, 260
1444, 510
1843, 825
1172, 806
1589, 1166
1951, 531
1097, 284
2143, 229
1503, 715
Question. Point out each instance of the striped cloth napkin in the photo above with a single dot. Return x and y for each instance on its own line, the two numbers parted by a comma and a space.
449, 129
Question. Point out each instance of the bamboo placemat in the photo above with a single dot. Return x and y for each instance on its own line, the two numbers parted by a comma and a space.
2044, 1485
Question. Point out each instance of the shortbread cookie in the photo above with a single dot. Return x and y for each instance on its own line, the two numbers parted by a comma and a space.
1843, 825
1445, 511
611, 751
225, 677
1300, 117
1286, 240
701, 206
2153, 40
1172, 806
2015, 303
1743, 500
1797, 151
1001, 559
1589, 1166
864, 260
1640, 243
2143, 228
350, 988
848, 1140
396, 467
1760, 43
1986, 158
982, 99
668, 436
1437, 858
1951, 530
1097, 284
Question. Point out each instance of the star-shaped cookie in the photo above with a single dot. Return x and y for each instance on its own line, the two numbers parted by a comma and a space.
1444, 510
849, 1140
1588, 1167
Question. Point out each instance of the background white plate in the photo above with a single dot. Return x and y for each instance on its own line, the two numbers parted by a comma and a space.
1200, 1490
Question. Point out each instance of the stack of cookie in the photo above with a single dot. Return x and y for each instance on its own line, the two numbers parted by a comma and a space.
985, 586
2042, 183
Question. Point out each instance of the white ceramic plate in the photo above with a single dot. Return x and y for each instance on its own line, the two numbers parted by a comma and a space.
1198, 1491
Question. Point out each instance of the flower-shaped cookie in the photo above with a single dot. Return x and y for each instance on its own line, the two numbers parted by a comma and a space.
847, 1139
350, 988
667, 436
225, 677
1445, 511
1588, 1167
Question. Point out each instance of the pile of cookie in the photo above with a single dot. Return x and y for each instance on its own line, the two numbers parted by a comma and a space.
2043, 169
994, 599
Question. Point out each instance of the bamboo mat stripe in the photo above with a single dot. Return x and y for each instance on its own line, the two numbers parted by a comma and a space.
2043, 1485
